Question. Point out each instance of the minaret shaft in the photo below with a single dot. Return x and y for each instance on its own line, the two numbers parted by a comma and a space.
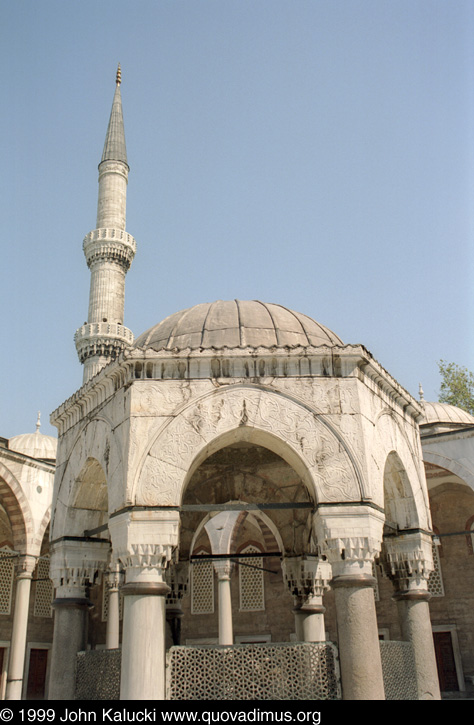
109, 252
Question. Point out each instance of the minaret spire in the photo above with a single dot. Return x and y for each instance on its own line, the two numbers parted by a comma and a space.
109, 252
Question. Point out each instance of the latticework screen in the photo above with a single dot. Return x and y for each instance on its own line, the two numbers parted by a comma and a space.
435, 581
7, 573
398, 667
98, 674
44, 590
202, 587
254, 672
252, 595
105, 603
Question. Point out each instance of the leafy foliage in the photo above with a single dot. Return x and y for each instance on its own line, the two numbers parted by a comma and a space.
457, 386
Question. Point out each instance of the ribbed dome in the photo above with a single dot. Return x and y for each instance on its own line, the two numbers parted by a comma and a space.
445, 414
35, 445
234, 324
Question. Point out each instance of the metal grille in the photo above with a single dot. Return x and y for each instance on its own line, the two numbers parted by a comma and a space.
202, 587
398, 667
98, 674
44, 590
302, 671
7, 573
435, 581
252, 596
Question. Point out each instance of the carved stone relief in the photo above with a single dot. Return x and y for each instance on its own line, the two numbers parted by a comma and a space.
249, 410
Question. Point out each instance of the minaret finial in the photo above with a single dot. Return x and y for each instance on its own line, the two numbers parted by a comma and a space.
38, 422
118, 77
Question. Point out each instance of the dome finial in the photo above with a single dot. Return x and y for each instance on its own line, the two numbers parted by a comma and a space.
38, 422
422, 395
118, 77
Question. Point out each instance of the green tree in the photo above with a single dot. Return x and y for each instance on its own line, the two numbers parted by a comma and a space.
457, 386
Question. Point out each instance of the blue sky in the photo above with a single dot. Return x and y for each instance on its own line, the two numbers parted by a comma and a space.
315, 154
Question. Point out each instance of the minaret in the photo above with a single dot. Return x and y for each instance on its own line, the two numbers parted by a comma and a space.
109, 252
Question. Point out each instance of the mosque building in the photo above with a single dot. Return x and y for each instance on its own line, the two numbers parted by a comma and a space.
236, 490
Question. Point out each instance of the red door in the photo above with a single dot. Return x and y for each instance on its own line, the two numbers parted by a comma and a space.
37, 674
448, 681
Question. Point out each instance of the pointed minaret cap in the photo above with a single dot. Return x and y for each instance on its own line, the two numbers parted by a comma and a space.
114, 147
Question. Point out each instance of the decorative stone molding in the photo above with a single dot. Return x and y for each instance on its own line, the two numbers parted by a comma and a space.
77, 563
306, 577
408, 561
350, 537
111, 245
145, 541
223, 568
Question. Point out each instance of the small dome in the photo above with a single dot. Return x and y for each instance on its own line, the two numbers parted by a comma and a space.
35, 445
448, 416
233, 324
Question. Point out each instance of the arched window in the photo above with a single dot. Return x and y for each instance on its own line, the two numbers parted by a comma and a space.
435, 581
7, 573
470, 537
202, 586
44, 589
252, 595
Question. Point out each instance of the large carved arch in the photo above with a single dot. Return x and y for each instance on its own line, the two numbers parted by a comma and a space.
293, 431
18, 510
398, 475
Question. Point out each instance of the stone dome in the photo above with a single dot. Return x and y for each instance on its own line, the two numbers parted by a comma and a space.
445, 415
35, 445
233, 324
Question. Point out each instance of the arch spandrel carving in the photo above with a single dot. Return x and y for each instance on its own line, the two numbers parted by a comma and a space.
392, 443
307, 442
94, 442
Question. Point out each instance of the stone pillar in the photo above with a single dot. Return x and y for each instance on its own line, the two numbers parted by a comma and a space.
408, 561
307, 578
113, 580
76, 564
224, 572
177, 578
351, 536
145, 541
16, 664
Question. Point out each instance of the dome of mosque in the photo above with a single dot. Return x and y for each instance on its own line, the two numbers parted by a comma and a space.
233, 324
443, 414
35, 445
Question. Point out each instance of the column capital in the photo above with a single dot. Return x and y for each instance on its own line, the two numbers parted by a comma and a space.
145, 541
306, 577
25, 566
223, 568
76, 563
408, 561
350, 535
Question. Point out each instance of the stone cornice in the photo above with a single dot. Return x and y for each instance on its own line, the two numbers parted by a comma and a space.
230, 366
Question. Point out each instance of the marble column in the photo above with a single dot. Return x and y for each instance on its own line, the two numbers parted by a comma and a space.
113, 580
145, 542
307, 578
223, 569
76, 564
351, 536
408, 562
16, 664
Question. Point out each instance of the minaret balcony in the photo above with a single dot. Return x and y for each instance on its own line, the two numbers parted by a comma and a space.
102, 339
109, 245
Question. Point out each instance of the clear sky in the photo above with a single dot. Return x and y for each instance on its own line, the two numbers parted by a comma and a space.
318, 154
